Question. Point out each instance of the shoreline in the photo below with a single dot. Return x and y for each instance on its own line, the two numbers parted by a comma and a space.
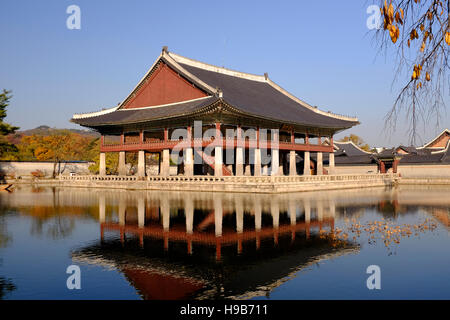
236, 184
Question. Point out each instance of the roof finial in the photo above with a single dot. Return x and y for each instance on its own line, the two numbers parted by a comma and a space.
165, 49
266, 76
219, 92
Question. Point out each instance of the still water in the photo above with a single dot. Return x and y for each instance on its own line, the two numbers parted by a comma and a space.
187, 245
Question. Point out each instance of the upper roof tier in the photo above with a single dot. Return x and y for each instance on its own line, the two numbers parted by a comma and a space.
176, 86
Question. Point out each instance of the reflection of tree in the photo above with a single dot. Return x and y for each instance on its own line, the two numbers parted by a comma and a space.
5, 238
6, 286
56, 227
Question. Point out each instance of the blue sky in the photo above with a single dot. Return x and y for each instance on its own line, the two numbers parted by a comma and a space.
321, 51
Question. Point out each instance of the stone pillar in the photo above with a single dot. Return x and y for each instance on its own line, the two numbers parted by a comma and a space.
102, 169
257, 162
319, 163
188, 162
218, 161
239, 161
292, 163
307, 164
275, 162
165, 163
331, 164
141, 212
122, 165
141, 163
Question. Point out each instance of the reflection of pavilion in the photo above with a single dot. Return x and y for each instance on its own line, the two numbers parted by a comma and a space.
201, 245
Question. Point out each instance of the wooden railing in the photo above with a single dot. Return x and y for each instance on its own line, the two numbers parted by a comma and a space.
157, 145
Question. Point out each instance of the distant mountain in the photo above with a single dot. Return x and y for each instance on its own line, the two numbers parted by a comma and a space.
46, 130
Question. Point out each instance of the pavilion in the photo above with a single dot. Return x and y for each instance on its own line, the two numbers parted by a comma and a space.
258, 128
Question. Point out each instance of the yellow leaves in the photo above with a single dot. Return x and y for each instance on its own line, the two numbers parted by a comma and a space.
447, 38
394, 33
413, 35
422, 48
419, 86
416, 72
428, 77
422, 27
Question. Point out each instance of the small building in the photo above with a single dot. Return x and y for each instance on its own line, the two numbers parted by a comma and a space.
212, 120
430, 160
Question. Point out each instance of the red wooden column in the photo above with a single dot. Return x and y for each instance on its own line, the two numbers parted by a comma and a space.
395, 165
382, 167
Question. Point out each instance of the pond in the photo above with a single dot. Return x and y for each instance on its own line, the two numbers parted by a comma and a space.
188, 245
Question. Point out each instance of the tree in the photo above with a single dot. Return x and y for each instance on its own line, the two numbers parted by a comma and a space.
357, 141
419, 31
5, 128
58, 146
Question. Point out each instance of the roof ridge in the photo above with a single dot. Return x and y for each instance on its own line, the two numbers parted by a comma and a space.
434, 139
210, 67
352, 143
167, 104
94, 114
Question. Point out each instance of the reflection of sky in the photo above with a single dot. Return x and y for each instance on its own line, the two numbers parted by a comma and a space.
417, 270
36, 263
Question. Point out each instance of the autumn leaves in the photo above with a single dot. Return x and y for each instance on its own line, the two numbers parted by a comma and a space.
421, 30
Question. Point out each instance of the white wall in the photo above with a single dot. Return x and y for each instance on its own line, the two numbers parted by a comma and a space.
24, 169
366, 169
424, 171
